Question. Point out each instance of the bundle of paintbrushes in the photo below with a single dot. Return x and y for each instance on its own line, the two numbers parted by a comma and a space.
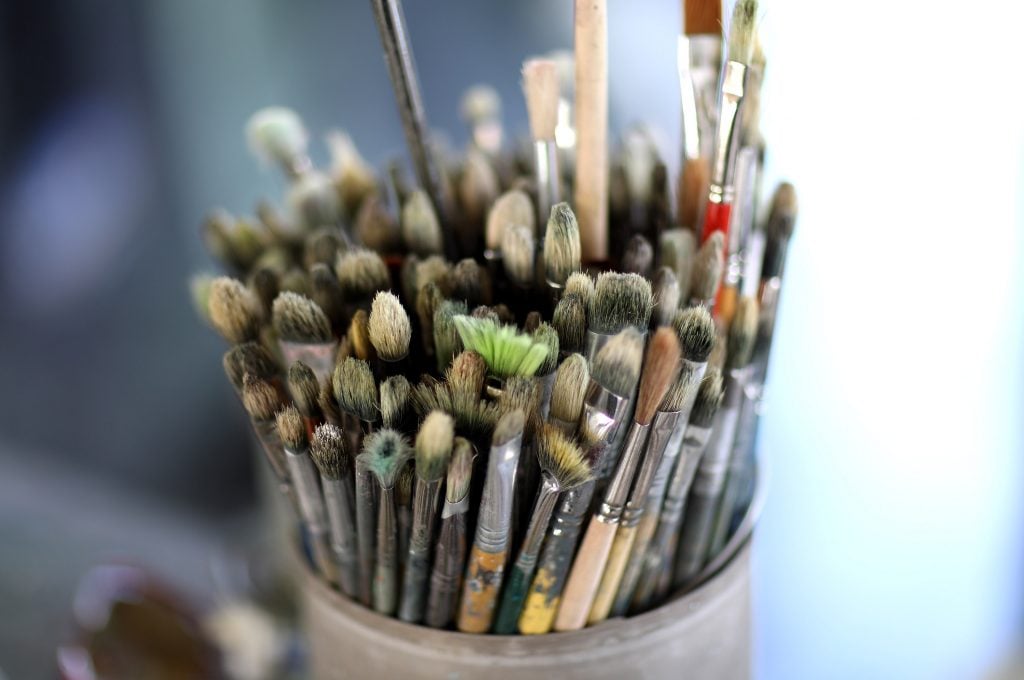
477, 420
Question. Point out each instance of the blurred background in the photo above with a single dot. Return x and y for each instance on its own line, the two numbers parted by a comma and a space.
893, 540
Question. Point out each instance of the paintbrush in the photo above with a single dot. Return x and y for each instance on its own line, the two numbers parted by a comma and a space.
513, 207
778, 230
619, 301
321, 246
428, 300
385, 453
262, 401
358, 337
623, 508
524, 394
532, 322
264, 283
676, 250
305, 391
395, 406
421, 229
470, 282
433, 452
307, 490
314, 203
707, 272
561, 248
326, 293
567, 393
361, 274
580, 283
356, 393
665, 287
709, 481
235, 311
480, 107
476, 189
353, 179
390, 334
540, 86
327, 449
545, 373
570, 322
507, 352
276, 135
304, 333
518, 250
251, 358
563, 468
638, 258
402, 69
403, 505
328, 404
450, 553
590, 44
491, 545
720, 190
447, 342
655, 577
696, 332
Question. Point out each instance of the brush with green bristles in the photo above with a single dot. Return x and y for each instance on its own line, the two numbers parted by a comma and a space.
304, 333
507, 352
620, 301
450, 552
433, 452
385, 453
327, 449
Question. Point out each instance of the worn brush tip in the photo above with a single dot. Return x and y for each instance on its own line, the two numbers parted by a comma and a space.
661, 366
741, 31
696, 330
562, 458
328, 452
617, 365
276, 133
580, 284
361, 273
460, 471
509, 426
434, 445
518, 249
296, 318
385, 453
248, 357
389, 327
540, 85
709, 398
304, 388
355, 389
359, 335
570, 321
512, 207
707, 268
260, 398
421, 228
235, 311
291, 428
742, 332
561, 245
570, 388
394, 400
467, 373
620, 300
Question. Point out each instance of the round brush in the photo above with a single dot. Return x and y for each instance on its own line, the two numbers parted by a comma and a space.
450, 553
304, 333
327, 449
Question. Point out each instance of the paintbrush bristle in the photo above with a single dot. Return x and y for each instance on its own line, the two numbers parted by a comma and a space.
421, 229
707, 268
518, 254
385, 453
264, 284
474, 417
620, 300
298, 319
389, 327
326, 293
533, 321
570, 321
513, 207
304, 388
523, 394
394, 401
359, 335
547, 336
404, 485
562, 458
467, 373
617, 365
328, 452
291, 429
782, 216
506, 351
328, 404
434, 269
447, 342
580, 284
682, 390
470, 282
314, 201
276, 134
661, 366
235, 311
561, 245
717, 357
355, 389
741, 31
460, 471
570, 388
696, 330
477, 188
321, 247
249, 357
361, 273
479, 103
702, 17
260, 398
666, 296
540, 86
742, 332
295, 280
677, 249
509, 426
434, 445
375, 227
709, 398
638, 257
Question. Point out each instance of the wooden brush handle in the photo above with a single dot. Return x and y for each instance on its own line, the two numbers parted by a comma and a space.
591, 194
538, 613
692, 192
621, 548
512, 601
585, 575
480, 592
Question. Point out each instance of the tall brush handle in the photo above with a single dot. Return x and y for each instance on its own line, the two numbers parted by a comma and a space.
585, 576
622, 546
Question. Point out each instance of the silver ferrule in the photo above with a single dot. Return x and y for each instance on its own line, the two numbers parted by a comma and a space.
424, 509
495, 519
603, 413
494, 387
667, 430
339, 516
618, 489
319, 356
714, 465
547, 383
459, 507
547, 496
594, 341
732, 94
545, 158
663, 425
695, 441
307, 487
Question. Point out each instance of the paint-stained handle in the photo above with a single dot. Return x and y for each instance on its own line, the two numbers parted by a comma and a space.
585, 576
622, 546
480, 592
541, 604
512, 601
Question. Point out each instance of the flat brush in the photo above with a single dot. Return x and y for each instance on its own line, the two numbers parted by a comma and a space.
390, 333
402, 69
487, 558
720, 191
540, 85
235, 311
276, 134
563, 468
561, 248
304, 333
306, 482
619, 301
433, 452
327, 449
636, 470
262, 401
567, 393
385, 453
570, 322
450, 553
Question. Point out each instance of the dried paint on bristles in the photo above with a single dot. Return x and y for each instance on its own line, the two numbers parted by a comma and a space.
518, 250
709, 398
298, 319
696, 330
570, 388
707, 268
421, 229
617, 365
742, 332
328, 452
434, 445
460, 471
394, 401
661, 366
355, 389
540, 86
509, 426
561, 245
562, 458
741, 31
389, 327
361, 273
620, 300
512, 208
304, 388
260, 398
570, 321
291, 429
235, 311
385, 453
467, 373
248, 357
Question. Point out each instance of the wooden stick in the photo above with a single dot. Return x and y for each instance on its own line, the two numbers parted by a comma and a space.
591, 191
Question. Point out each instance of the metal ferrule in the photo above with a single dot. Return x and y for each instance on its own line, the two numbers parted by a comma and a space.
307, 488
459, 507
547, 496
699, 62
547, 383
667, 429
725, 139
385, 582
714, 465
266, 432
545, 159
495, 518
593, 342
603, 413
343, 533
494, 387
319, 356
649, 468
695, 441
618, 490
